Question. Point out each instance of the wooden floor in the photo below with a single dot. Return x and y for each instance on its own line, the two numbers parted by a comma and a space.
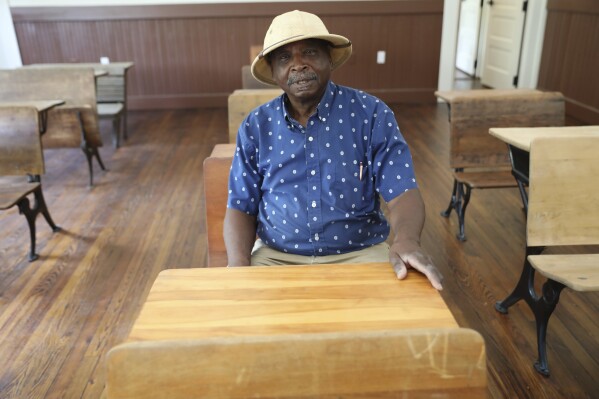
60, 314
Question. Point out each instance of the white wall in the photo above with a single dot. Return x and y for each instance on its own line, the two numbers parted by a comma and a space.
10, 56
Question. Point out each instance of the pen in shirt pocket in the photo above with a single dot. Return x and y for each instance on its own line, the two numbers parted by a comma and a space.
361, 169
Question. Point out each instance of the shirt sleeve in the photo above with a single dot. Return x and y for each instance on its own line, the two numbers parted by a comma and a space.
245, 180
392, 161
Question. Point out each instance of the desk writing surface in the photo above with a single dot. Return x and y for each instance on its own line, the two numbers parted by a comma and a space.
451, 95
111, 67
280, 300
41, 105
522, 137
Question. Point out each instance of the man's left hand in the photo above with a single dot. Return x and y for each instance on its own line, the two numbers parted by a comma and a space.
409, 254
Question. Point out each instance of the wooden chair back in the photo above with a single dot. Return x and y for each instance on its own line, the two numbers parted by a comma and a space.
216, 178
112, 88
20, 142
241, 102
248, 81
563, 202
255, 49
75, 86
476, 111
448, 363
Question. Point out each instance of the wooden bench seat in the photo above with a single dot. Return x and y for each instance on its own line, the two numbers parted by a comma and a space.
471, 114
114, 112
577, 272
487, 179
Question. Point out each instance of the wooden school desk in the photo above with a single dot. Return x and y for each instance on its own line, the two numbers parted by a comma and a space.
518, 140
295, 331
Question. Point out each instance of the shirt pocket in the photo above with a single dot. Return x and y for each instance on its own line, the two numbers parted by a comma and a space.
353, 187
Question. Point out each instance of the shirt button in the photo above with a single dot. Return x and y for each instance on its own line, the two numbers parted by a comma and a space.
313, 204
310, 138
313, 172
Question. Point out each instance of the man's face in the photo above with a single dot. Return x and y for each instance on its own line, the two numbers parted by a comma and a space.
302, 69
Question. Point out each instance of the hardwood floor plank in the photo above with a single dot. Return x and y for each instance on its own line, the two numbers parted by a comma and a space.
61, 314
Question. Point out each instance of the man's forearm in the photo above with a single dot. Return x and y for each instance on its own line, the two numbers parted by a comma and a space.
239, 233
406, 216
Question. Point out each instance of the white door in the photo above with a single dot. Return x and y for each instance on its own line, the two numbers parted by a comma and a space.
468, 29
504, 40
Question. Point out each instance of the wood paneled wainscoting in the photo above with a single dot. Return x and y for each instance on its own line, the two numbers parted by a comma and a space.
189, 55
60, 314
570, 59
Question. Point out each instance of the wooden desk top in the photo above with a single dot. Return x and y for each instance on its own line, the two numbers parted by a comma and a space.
101, 69
451, 95
521, 137
282, 300
41, 106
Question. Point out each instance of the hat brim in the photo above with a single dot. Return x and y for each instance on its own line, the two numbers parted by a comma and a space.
341, 49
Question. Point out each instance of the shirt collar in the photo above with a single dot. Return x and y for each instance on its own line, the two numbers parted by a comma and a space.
324, 106
323, 109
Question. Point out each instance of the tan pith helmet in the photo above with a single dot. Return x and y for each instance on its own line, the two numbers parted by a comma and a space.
294, 26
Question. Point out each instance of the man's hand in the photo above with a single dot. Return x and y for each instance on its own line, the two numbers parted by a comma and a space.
406, 254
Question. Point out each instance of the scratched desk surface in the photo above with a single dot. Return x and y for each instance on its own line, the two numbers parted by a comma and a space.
251, 301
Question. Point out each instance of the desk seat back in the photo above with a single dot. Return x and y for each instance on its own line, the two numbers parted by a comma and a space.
75, 86
216, 178
20, 142
563, 202
472, 116
248, 81
447, 363
241, 102
112, 87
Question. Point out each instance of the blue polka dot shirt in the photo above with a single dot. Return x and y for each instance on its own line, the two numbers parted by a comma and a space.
315, 189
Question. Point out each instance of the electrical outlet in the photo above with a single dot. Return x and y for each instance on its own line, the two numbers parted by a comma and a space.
104, 60
380, 57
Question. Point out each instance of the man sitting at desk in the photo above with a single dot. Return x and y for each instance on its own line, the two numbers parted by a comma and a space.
310, 165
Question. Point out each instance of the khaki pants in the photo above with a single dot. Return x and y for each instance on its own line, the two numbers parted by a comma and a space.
263, 255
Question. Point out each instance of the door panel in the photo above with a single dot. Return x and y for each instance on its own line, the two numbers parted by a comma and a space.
504, 40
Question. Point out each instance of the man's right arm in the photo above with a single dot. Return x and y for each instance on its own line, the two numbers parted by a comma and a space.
240, 233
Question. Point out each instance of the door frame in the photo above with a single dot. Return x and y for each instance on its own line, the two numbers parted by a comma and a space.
532, 44
474, 65
10, 55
